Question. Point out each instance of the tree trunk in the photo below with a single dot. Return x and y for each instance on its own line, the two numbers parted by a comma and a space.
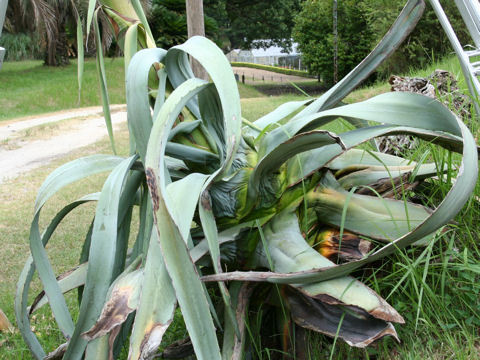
57, 46
196, 26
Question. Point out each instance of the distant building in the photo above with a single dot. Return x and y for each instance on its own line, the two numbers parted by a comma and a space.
3, 9
274, 56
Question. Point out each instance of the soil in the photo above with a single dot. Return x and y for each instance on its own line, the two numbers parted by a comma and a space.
20, 153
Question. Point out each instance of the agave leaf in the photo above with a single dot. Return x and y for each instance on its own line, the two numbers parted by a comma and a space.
121, 7
67, 281
219, 69
210, 231
190, 153
138, 104
162, 87
233, 343
378, 218
395, 108
25, 279
289, 252
80, 57
137, 6
90, 11
177, 260
374, 174
130, 46
448, 208
122, 299
284, 151
359, 167
309, 162
74, 171
146, 225
401, 28
357, 328
156, 307
102, 258
274, 117
103, 81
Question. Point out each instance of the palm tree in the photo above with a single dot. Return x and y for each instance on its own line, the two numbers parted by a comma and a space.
51, 19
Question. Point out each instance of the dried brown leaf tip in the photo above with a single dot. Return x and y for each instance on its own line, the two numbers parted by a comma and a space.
343, 247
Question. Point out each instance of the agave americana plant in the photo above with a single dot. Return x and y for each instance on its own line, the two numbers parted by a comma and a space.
225, 203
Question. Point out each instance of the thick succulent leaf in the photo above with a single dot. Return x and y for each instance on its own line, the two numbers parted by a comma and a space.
103, 81
233, 344
402, 27
74, 171
309, 162
374, 174
130, 45
161, 92
156, 307
67, 281
448, 208
289, 252
90, 11
80, 57
124, 8
371, 216
190, 153
354, 326
394, 108
210, 231
138, 104
103, 256
284, 151
183, 195
357, 167
25, 279
229, 235
122, 299
137, 5
179, 265
274, 117
21, 310
219, 69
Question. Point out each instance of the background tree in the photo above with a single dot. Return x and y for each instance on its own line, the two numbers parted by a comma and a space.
168, 21
313, 32
35, 22
428, 42
271, 22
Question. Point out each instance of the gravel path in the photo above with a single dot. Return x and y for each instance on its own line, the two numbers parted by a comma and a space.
88, 128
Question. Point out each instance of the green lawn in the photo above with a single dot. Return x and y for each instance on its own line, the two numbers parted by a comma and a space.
30, 88
436, 288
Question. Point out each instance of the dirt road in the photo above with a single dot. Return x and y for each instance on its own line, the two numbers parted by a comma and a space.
20, 151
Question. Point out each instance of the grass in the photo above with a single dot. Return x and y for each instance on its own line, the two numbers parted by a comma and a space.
436, 288
30, 88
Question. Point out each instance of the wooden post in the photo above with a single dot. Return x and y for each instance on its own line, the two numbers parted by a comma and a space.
196, 26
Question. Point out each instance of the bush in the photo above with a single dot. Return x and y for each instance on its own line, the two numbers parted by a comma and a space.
273, 69
21, 46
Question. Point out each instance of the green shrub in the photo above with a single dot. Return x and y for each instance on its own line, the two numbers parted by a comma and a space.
21, 46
